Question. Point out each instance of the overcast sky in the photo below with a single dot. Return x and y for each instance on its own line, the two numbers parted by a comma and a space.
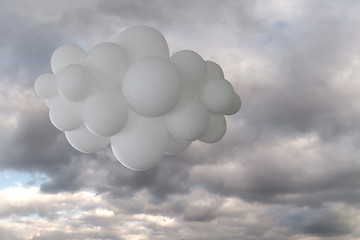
287, 168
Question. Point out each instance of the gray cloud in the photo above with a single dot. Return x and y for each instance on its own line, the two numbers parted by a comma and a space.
331, 220
35, 145
6, 235
305, 98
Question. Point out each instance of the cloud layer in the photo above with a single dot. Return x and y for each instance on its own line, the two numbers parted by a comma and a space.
287, 168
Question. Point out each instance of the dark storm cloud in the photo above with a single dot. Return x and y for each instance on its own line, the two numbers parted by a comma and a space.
327, 221
283, 174
169, 177
35, 144
105, 174
327, 225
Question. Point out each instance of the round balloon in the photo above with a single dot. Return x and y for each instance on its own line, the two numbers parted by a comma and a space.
142, 41
141, 144
75, 82
152, 86
213, 70
65, 55
65, 115
45, 86
216, 129
48, 102
234, 106
217, 94
188, 121
84, 141
108, 62
192, 68
105, 113
133, 95
175, 146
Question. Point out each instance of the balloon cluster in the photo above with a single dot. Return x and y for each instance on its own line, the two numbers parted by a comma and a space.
133, 95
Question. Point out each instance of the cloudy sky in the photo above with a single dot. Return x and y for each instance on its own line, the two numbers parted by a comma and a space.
287, 168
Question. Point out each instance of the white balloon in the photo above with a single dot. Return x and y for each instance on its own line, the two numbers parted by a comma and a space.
217, 94
142, 41
213, 70
65, 115
48, 102
192, 68
65, 55
188, 121
175, 146
133, 94
234, 106
152, 86
108, 62
75, 82
141, 144
45, 86
216, 129
84, 141
105, 113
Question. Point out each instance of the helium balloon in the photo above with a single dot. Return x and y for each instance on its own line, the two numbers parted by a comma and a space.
142, 41
175, 146
152, 86
65, 55
216, 129
45, 86
84, 141
213, 70
217, 94
75, 82
65, 115
234, 106
108, 63
188, 121
192, 68
105, 113
48, 102
141, 144
133, 95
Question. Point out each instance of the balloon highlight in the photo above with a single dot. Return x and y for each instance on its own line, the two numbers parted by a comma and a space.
133, 95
